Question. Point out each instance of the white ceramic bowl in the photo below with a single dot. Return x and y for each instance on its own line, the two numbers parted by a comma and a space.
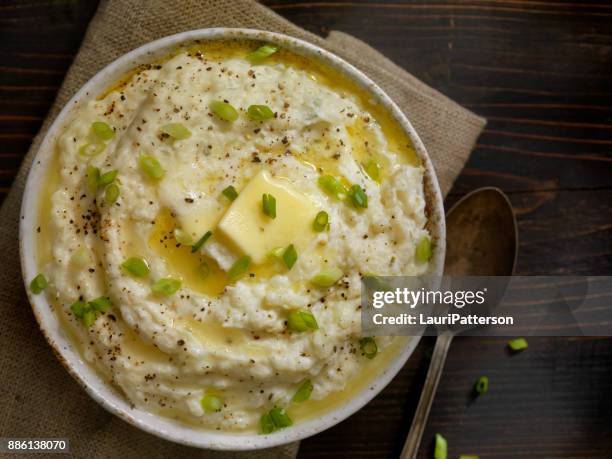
88, 378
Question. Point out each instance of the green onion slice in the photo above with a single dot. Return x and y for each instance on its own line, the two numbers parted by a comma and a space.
423, 250
79, 308
239, 268
375, 282
332, 186
230, 193
518, 344
182, 237
441, 449
268, 205
290, 256
266, 424
301, 321
136, 266
468, 456
101, 304
112, 193
368, 347
224, 110
260, 112
320, 222
327, 277
198, 245
176, 130
358, 197
89, 317
166, 286
261, 53
303, 392
277, 252
93, 178
107, 178
151, 166
92, 149
80, 257
38, 284
482, 385
203, 270
211, 403
280, 418
102, 130
372, 168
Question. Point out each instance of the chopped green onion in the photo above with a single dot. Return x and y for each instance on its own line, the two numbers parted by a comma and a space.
280, 418
482, 385
80, 257
198, 245
441, 449
423, 250
277, 252
321, 221
332, 186
107, 178
112, 193
211, 403
136, 266
38, 284
301, 321
261, 53
102, 130
359, 198
368, 347
166, 286
224, 110
266, 424
203, 270
268, 205
468, 456
303, 392
182, 236
151, 167
92, 149
176, 130
93, 178
290, 256
518, 344
230, 193
239, 268
89, 317
260, 112
375, 282
327, 277
372, 168
102, 304
79, 308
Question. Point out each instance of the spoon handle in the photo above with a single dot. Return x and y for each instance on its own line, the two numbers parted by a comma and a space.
438, 357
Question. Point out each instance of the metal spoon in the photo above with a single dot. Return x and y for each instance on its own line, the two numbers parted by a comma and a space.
481, 240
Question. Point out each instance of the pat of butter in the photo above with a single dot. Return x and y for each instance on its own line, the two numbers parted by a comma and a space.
256, 234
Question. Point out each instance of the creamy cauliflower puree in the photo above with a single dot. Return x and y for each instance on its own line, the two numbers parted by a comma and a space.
206, 225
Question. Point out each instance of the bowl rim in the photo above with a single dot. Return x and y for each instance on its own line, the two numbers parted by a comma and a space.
107, 395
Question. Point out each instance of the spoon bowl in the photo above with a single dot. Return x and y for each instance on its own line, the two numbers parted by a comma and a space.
481, 235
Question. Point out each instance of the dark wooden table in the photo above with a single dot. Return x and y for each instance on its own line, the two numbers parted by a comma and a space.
541, 72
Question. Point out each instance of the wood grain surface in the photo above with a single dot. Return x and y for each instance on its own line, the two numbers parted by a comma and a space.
540, 71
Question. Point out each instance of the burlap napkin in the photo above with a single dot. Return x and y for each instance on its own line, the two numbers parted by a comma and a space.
37, 397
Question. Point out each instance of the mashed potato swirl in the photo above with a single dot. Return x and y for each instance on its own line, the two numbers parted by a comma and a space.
218, 335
